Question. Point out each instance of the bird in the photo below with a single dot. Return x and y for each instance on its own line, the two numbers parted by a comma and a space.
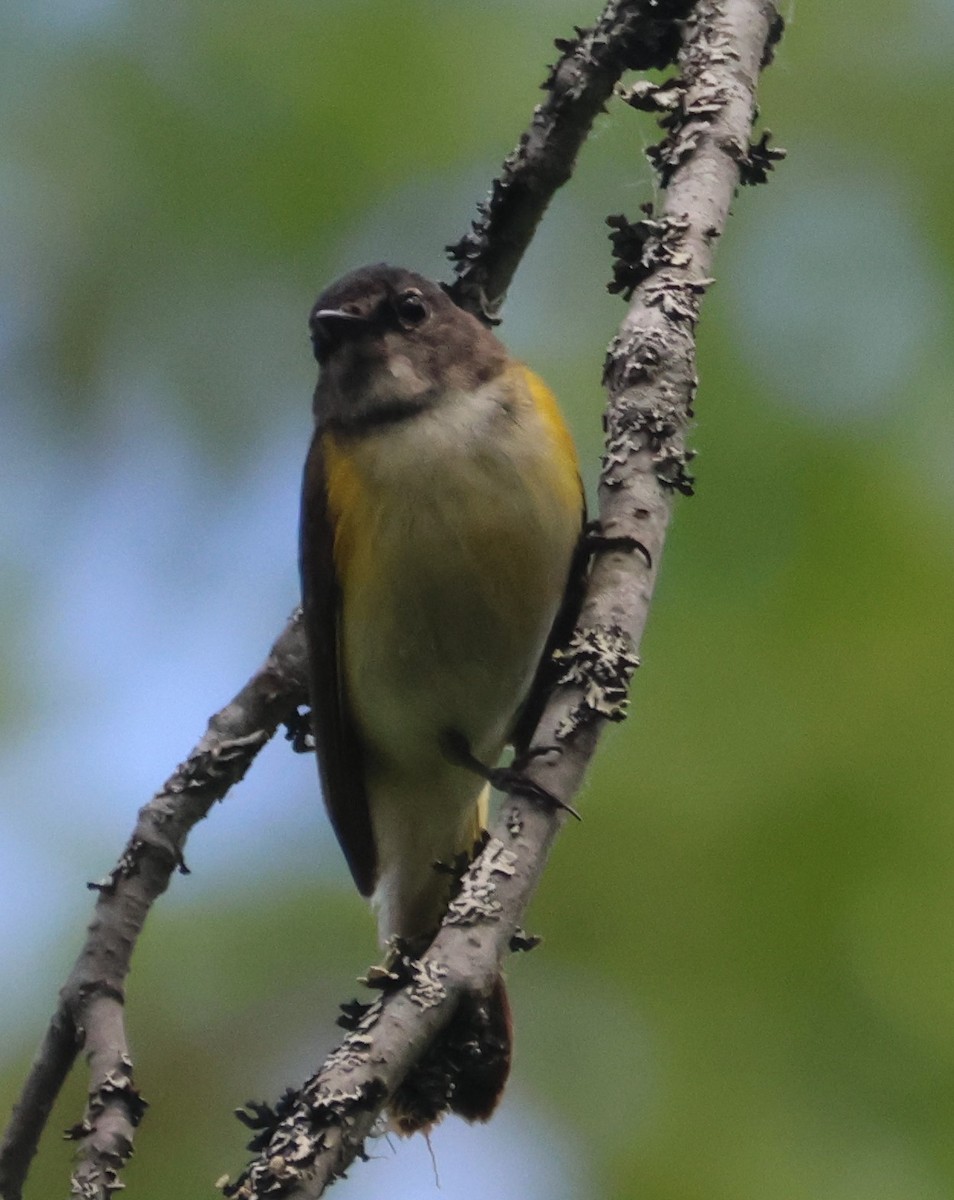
441, 528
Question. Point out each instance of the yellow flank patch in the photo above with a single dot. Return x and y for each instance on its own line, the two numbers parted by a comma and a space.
566, 473
350, 510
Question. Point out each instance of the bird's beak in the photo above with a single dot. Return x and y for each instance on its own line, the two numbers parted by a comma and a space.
330, 326
326, 316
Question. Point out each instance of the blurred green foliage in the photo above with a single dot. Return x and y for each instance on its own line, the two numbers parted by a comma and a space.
746, 989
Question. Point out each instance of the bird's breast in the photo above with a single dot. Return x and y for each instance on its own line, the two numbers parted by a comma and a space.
454, 533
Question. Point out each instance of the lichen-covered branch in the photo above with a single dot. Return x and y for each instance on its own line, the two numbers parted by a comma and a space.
89, 1015
663, 266
628, 35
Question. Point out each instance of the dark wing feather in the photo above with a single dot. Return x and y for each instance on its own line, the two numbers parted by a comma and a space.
548, 671
339, 748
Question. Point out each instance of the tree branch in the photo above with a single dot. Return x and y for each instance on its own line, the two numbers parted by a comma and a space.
90, 1009
629, 35
89, 1013
315, 1134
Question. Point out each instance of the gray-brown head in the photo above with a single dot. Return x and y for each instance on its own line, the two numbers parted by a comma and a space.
391, 343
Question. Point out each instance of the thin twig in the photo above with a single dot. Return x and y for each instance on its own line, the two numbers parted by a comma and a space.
315, 1134
52, 1064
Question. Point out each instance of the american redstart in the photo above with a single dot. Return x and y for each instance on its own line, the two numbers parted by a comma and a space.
441, 524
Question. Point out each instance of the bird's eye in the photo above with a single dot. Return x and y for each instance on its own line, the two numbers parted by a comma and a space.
410, 307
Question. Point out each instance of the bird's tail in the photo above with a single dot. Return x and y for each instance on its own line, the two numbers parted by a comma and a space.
466, 1069
489, 1027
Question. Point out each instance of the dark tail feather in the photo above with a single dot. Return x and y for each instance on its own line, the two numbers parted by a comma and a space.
465, 1071
483, 1073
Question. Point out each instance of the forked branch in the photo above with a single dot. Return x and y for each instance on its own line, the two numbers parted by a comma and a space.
664, 262
90, 1014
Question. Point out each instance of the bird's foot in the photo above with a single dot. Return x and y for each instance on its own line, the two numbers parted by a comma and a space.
598, 541
512, 780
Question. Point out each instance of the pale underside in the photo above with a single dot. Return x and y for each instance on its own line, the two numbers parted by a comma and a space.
469, 560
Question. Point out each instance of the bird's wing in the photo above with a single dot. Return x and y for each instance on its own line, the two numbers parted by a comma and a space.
340, 757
